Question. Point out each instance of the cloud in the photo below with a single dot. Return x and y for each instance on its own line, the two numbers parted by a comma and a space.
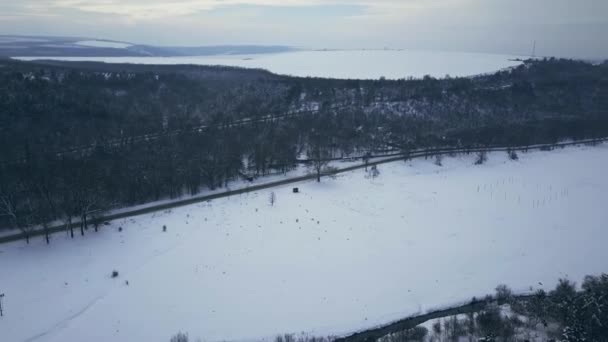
154, 9
561, 27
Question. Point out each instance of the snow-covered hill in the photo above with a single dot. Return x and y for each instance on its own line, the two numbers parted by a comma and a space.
342, 255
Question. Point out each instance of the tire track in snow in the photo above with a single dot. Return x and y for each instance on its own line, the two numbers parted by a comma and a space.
64, 323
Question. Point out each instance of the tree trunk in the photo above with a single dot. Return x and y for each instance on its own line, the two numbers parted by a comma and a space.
46, 233
70, 227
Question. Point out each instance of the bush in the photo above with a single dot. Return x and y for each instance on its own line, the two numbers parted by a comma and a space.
416, 334
562, 301
454, 328
437, 328
504, 294
373, 172
489, 321
536, 307
584, 314
303, 338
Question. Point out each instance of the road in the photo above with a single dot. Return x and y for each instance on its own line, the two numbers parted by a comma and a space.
116, 142
292, 180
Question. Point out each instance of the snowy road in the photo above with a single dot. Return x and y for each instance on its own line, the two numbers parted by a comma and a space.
343, 255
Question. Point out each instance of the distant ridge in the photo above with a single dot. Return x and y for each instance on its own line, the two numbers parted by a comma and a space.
47, 46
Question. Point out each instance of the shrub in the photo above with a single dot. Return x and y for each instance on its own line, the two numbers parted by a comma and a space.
562, 301
469, 323
584, 316
453, 328
503, 294
437, 328
373, 172
415, 334
489, 321
303, 338
536, 307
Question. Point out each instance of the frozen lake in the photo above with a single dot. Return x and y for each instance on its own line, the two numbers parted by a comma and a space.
343, 64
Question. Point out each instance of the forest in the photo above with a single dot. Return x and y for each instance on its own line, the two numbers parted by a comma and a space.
79, 139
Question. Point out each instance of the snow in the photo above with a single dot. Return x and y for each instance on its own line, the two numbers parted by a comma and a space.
343, 64
527, 332
103, 44
238, 184
343, 255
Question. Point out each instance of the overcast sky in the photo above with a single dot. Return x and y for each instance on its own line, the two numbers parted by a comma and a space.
573, 28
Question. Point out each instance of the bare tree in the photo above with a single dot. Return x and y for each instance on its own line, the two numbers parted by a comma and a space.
439, 160
180, 337
44, 217
68, 205
366, 159
45, 204
319, 155
373, 172
482, 157
19, 214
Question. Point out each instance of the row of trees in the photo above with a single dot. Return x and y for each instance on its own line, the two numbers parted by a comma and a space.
76, 141
566, 313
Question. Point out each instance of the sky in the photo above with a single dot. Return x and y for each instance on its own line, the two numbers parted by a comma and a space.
564, 28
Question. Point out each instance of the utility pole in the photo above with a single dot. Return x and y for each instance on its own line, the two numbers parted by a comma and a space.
1, 296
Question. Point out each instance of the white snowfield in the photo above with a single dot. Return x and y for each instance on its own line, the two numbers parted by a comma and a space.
342, 255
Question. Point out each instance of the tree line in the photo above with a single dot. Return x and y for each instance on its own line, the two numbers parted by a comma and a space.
67, 151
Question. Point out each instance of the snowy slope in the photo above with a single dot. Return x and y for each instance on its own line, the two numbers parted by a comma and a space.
343, 255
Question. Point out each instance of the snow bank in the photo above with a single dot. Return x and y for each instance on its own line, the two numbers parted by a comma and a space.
342, 255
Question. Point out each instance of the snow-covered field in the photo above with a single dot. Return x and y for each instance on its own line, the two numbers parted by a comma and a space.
343, 255
344, 64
